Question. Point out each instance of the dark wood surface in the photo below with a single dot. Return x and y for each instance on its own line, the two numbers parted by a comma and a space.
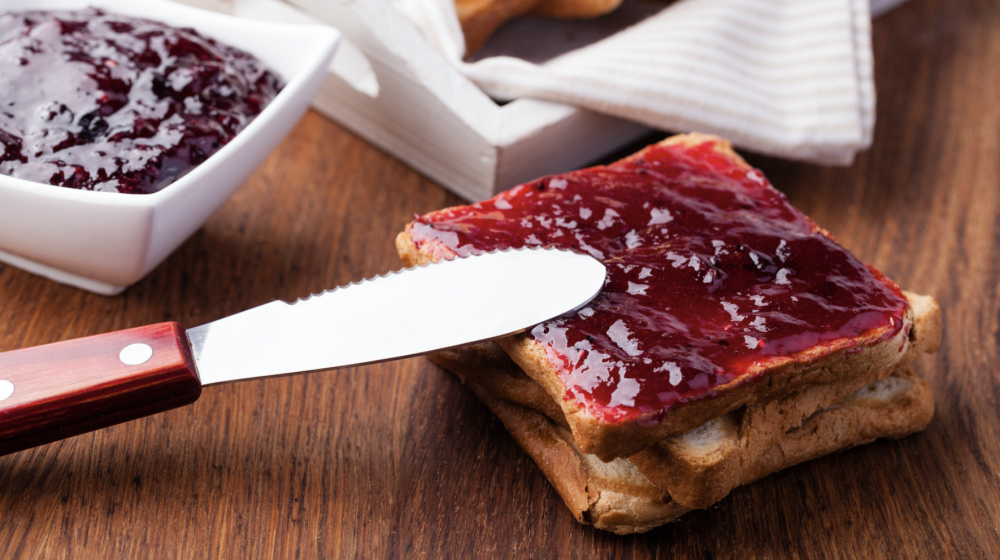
398, 460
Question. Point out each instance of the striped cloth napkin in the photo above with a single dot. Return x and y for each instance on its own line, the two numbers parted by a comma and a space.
789, 78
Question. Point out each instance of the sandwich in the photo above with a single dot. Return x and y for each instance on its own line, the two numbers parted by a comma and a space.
734, 337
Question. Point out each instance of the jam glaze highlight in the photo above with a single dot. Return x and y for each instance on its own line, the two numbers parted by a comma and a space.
712, 277
100, 101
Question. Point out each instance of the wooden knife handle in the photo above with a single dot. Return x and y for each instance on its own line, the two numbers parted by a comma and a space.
72, 387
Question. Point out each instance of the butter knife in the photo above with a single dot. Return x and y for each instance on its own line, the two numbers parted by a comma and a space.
63, 389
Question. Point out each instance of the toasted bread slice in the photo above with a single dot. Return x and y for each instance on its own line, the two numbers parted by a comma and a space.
617, 497
481, 18
626, 438
699, 467
574, 9
487, 365
662, 369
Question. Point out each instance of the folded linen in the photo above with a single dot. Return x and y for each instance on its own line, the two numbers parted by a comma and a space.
786, 78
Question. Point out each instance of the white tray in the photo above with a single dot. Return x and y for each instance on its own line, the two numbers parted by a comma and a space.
390, 86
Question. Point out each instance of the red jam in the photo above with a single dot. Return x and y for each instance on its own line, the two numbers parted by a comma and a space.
99, 101
711, 274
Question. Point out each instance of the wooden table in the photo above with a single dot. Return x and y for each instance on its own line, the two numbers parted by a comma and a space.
398, 460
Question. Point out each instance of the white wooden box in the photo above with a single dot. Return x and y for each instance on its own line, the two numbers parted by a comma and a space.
390, 86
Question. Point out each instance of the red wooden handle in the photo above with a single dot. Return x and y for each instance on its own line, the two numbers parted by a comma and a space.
72, 387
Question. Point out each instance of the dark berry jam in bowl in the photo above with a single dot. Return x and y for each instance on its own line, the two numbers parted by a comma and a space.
116, 177
97, 100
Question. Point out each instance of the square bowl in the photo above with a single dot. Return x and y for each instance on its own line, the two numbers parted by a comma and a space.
105, 241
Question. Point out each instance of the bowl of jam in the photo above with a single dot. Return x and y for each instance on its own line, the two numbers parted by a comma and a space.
124, 125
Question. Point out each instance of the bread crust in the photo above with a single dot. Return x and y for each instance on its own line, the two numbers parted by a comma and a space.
698, 472
782, 378
574, 9
614, 497
481, 18
490, 367
701, 466
617, 497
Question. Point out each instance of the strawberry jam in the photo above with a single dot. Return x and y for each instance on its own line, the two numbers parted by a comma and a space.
711, 276
99, 101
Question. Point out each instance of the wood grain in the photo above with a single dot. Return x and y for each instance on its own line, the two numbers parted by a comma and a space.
398, 460
69, 388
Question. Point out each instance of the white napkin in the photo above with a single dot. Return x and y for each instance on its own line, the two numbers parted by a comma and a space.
790, 78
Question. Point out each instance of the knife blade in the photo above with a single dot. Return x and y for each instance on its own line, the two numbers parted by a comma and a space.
58, 390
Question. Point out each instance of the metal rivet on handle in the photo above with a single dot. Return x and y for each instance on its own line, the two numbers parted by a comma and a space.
135, 354
6, 389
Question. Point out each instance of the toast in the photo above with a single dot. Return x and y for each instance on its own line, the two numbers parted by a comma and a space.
617, 497
720, 295
481, 18
702, 466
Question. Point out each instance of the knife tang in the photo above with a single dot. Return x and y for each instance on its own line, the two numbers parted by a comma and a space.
69, 388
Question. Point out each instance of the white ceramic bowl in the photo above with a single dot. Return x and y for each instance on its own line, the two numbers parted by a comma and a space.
103, 242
